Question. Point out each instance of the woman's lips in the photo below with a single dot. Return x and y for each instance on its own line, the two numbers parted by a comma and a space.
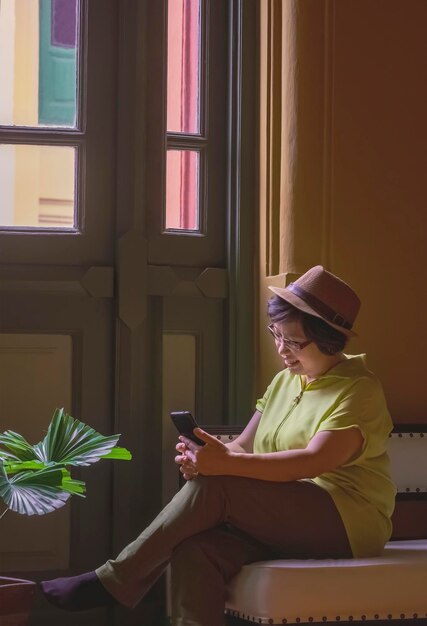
290, 363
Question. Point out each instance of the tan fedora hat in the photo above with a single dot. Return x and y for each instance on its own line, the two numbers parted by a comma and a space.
324, 295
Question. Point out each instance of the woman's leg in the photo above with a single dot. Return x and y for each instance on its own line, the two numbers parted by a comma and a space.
198, 506
291, 520
295, 519
201, 567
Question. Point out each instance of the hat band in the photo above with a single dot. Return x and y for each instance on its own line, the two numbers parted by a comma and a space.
320, 307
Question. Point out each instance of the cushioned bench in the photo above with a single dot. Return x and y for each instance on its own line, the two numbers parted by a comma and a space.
392, 587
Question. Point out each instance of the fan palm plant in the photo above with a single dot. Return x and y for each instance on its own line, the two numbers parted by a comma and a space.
35, 479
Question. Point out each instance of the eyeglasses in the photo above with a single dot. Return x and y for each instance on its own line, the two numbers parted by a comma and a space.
292, 345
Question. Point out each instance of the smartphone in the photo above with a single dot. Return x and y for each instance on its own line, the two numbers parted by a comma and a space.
185, 423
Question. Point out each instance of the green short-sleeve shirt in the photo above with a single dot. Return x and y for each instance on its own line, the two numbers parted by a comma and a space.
348, 395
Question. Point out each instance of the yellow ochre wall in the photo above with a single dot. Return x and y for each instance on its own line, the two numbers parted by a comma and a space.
351, 185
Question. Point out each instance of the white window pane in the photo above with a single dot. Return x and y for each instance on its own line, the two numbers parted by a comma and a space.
37, 186
38, 62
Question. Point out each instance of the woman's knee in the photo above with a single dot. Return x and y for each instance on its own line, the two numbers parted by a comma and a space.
191, 550
222, 484
206, 487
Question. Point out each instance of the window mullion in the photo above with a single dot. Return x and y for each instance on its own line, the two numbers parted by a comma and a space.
40, 136
187, 142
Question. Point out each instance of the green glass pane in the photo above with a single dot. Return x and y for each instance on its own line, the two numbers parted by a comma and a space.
58, 56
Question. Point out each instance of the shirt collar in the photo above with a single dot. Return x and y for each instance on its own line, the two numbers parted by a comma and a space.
352, 366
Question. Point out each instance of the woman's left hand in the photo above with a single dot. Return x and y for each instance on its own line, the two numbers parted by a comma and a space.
210, 459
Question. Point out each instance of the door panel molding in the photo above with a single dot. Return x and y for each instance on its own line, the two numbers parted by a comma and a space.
36, 367
208, 282
95, 281
88, 322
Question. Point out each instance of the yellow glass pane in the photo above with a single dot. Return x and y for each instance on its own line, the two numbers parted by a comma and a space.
37, 186
38, 62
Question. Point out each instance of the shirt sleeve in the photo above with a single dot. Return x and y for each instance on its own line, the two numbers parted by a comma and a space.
261, 402
363, 406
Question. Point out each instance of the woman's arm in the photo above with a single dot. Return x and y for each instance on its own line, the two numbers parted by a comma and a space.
325, 452
244, 443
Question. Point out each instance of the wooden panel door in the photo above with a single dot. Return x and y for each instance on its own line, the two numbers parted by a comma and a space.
57, 307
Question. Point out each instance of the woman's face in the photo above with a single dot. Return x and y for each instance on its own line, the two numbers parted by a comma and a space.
308, 361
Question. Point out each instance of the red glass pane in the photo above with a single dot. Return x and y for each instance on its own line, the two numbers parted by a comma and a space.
183, 66
182, 190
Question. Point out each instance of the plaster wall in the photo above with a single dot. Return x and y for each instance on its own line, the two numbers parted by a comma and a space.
359, 194
378, 229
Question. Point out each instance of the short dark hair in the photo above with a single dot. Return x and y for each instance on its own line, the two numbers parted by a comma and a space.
327, 339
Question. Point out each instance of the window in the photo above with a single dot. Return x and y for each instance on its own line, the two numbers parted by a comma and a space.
185, 172
40, 131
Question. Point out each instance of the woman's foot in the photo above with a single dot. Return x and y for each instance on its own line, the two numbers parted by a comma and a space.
77, 593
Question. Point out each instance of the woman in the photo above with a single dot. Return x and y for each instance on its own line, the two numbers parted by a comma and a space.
307, 478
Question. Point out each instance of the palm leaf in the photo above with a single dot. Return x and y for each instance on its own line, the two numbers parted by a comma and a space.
34, 479
33, 493
13, 467
73, 486
120, 454
17, 448
72, 442
68, 442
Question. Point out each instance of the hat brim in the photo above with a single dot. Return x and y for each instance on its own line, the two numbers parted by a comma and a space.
300, 304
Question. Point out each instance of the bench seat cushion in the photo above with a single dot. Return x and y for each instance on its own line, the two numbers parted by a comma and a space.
393, 586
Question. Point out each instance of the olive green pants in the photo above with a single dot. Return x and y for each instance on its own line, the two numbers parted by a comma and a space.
211, 528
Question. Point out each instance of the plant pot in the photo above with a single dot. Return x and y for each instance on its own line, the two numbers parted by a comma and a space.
16, 601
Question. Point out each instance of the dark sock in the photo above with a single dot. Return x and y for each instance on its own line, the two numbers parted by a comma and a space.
77, 593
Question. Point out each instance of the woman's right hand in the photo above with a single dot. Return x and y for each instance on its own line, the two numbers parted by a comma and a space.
187, 468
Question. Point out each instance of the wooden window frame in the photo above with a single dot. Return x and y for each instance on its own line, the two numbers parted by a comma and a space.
91, 241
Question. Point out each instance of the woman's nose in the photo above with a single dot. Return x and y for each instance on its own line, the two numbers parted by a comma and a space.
283, 349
